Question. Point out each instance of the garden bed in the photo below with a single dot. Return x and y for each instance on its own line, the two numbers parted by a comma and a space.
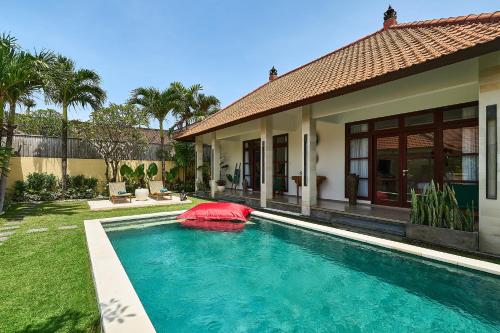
457, 239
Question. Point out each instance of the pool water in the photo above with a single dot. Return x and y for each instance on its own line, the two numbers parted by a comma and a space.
272, 278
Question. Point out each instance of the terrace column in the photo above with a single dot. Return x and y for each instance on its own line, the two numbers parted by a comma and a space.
308, 141
489, 170
266, 160
199, 160
215, 163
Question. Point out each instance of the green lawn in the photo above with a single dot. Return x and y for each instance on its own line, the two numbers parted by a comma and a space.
45, 279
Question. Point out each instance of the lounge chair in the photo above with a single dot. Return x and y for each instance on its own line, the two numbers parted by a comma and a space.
117, 192
157, 191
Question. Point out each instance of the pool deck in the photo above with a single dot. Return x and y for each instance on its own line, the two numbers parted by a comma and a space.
108, 205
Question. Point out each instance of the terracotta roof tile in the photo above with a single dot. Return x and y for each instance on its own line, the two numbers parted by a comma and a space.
385, 55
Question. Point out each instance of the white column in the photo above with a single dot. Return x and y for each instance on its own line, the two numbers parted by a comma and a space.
215, 163
266, 160
489, 209
199, 160
308, 142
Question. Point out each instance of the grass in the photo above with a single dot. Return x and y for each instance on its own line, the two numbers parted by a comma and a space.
45, 279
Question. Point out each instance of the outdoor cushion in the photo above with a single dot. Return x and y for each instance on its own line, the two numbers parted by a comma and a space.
122, 192
164, 190
222, 211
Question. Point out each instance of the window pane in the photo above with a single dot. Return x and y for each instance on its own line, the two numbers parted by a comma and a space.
420, 143
359, 167
461, 168
281, 153
363, 188
469, 112
387, 124
419, 119
358, 128
388, 146
463, 140
359, 148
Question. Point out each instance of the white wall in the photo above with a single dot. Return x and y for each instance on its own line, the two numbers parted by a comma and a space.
489, 209
331, 162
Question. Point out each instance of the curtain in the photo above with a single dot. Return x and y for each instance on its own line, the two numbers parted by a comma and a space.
470, 139
359, 149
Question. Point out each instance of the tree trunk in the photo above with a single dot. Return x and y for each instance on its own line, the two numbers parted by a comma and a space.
106, 175
64, 149
8, 144
114, 169
2, 114
162, 142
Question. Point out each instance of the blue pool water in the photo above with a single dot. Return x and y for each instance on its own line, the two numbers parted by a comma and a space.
273, 278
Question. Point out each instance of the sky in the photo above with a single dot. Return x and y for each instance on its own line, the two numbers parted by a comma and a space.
227, 46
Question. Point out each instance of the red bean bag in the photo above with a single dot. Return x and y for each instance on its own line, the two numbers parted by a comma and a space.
213, 225
220, 211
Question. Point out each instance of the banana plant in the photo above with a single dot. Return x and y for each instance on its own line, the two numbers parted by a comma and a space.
135, 178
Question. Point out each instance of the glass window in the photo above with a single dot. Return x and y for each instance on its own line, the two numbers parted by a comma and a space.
358, 164
358, 128
421, 143
470, 112
464, 140
387, 124
419, 119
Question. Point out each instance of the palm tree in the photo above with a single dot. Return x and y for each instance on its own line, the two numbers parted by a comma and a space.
192, 105
21, 74
69, 87
158, 104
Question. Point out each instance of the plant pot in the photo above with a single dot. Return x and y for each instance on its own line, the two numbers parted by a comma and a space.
461, 240
352, 182
141, 194
220, 188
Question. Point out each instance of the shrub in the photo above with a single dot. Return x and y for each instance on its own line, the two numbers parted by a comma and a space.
81, 187
439, 208
46, 187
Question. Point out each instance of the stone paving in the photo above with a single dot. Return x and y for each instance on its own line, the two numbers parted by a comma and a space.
14, 222
30, 231
67, 227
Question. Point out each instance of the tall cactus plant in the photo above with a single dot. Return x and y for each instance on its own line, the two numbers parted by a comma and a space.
439, 208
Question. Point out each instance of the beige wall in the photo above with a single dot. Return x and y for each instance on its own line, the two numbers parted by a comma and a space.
21, 167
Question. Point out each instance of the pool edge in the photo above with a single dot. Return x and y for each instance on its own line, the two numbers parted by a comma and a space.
452, 259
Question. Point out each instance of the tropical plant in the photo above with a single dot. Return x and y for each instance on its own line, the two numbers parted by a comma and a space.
171, 176
21, 75
158, 104
192, 105
439, 208
151, 172
68, 87
114, 133
135, 178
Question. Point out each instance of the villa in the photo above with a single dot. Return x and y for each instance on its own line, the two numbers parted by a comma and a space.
405, 105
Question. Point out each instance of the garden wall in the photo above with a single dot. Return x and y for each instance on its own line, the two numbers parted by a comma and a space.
20, 167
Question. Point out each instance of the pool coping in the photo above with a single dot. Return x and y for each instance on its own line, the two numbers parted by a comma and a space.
121, 310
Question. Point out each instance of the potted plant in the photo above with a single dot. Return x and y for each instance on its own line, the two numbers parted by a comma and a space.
221, 185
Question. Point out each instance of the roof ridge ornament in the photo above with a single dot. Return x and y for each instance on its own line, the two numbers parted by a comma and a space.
390, 17
273, 74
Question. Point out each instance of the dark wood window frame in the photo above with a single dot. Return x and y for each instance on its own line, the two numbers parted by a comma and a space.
438, 127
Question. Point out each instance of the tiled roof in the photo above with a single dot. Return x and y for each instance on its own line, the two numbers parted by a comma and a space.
401, 50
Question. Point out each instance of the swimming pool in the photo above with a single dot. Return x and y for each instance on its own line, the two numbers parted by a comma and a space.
272, 277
